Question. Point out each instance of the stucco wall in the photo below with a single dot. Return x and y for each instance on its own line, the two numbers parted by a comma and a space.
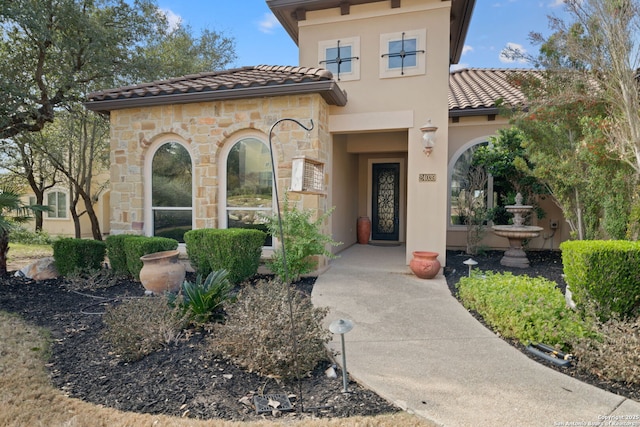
344, 193
400, 103
204, 129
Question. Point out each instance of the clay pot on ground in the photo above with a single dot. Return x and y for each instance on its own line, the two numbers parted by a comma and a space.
162, 272
363, 230
425, 264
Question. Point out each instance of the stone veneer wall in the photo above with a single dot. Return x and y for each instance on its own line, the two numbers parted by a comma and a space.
206, 127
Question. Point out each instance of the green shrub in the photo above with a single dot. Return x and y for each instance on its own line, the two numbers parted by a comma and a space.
302, 241
236, 250
257, 334
22, 235
531, 310
615, 353
137, 246
74, 255
604, 273
202, 301
196, 243
117, 254
139, 326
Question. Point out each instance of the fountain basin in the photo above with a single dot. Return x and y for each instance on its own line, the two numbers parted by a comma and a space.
515, 255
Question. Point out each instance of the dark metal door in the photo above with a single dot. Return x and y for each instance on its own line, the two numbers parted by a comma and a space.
385, 201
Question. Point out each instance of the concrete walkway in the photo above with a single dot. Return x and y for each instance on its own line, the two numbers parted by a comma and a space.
416, 346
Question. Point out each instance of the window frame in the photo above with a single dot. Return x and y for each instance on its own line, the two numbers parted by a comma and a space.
149, 209
66, 203
222, 186
421, 57
354, 43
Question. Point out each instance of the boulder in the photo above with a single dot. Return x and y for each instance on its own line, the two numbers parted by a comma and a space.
41, 269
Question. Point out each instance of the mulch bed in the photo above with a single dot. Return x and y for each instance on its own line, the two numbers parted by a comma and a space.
547, 264
183, 380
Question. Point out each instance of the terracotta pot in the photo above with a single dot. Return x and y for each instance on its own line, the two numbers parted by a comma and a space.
364, 230
425, 264
162, 272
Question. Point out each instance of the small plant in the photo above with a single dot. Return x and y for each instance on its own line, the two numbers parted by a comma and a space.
27, 237
257, 332
91, 279
615, 352
202, 301
302, 241
137, 327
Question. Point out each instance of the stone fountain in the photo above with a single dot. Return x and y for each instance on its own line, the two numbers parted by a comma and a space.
516, 233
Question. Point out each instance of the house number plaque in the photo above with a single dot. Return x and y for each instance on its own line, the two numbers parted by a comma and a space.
427, 177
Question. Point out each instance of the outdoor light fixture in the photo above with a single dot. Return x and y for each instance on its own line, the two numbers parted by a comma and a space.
428, 137
471, 263
342, 326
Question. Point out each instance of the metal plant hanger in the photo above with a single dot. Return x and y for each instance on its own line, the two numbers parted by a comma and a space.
284, 252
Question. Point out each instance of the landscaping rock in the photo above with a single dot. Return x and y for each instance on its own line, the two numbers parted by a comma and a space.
42, 269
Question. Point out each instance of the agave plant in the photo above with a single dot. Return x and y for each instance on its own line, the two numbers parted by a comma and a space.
202, 300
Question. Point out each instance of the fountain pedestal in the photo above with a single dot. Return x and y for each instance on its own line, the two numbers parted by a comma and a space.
516, 233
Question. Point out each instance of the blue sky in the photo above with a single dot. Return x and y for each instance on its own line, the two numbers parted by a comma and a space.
261, 40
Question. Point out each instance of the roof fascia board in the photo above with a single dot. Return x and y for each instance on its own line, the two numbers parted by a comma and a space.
469, 112
329, 91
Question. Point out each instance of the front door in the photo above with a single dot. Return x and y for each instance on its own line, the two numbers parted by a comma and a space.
385, 201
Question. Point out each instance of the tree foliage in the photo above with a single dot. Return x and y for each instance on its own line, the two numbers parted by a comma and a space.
582, 122
54, 52
51, 51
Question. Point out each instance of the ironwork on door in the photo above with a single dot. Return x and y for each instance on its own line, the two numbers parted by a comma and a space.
385, 201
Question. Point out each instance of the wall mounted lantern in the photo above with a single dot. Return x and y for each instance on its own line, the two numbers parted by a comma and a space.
428, 137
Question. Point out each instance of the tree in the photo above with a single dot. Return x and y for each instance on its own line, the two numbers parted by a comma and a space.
20, 157
12, 210
583, 122
51, 51
76, 145
178, 52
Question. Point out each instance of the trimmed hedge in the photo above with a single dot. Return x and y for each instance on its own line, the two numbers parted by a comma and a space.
531, 310
605, 274
137, 246
78, 255
236, 250
116, 253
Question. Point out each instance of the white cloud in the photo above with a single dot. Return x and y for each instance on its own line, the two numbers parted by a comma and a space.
172, 18
505, 54
268, 23
557, 3
466, 48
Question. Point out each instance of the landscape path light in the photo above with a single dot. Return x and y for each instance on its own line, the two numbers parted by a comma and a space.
470, 263
342, 326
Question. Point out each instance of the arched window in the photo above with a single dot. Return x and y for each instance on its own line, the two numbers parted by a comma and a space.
171, 195
470, 188
249, 185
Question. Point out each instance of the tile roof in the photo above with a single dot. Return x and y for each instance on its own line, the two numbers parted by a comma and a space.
474, 91
245, 82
